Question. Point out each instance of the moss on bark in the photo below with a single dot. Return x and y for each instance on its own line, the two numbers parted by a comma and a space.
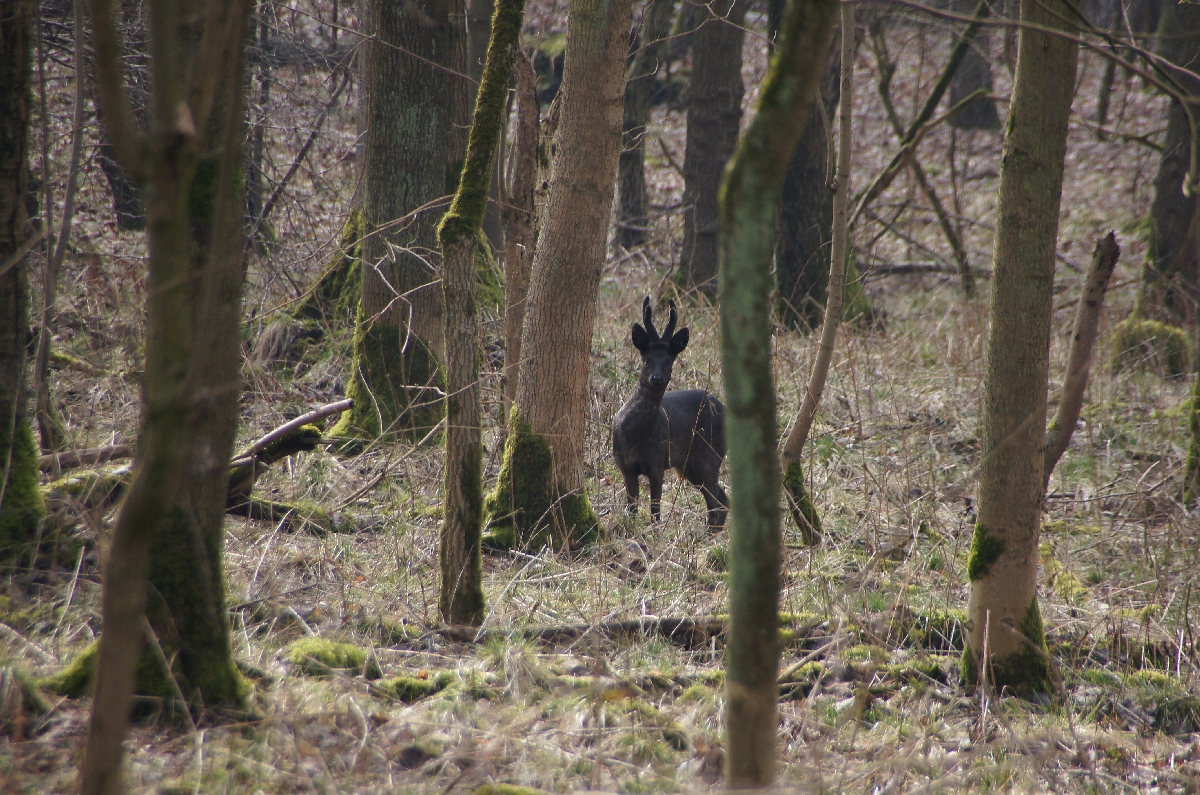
804, 513
1025, 672
23, 505
395, 383
985, 549
523, 512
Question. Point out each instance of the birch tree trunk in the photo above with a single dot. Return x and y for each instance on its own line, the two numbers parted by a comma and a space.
540, 495
1002, 565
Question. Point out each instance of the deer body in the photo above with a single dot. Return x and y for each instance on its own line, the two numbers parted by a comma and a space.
658, 430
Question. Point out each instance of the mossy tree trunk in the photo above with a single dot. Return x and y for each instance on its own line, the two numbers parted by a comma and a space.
1003, 610
750, 199
649, 48
416, 116
189, 193
540, 491
187, 575
21, 504
974, 73
462, 241
1169, 280
714, 113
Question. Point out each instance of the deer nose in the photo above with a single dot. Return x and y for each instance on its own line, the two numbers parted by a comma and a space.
657, 381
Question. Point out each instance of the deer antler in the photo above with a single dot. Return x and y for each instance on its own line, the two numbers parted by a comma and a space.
646, 313
670, 329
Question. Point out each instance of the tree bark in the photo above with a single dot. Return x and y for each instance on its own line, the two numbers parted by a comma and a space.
1169, 280
416, 117
1003, 611
520, 222
21, 504
479, 32
649, 48
749, 203
462, 241
974, 73
540, 493
714, 113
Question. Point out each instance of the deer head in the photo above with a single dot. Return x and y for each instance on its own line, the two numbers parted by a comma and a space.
658, 352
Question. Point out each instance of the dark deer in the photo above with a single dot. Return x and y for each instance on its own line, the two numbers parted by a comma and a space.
656, 430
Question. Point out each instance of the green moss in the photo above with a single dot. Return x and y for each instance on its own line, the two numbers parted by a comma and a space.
23, 505
522, 511
396, 388
388, 632
1141, 343
321, 657
804, 513
1100, 677
75, 679
867, 653
986, 547
412, 688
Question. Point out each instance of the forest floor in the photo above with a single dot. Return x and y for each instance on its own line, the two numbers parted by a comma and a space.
873, 702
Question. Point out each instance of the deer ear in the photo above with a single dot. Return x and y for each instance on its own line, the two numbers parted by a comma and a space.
641, 340
680, 340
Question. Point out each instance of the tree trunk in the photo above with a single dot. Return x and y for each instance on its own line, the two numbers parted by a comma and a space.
187, 576
541, 487
650, 46
749, 202
192, 323
1169, 281
714, 112
1191, 472
1004, 617
974, 73
520, 223
21, 504
414, 109
479, 31
462, 241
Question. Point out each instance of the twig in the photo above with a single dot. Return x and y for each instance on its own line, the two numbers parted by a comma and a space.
15, 258
288, 427
41, 653
1079, 362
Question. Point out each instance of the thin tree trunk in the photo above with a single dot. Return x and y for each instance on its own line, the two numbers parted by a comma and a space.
21, 504
714, 113
650, 46
462, 241
540, 492
1169, 280
167, 163
1002, 564
520, 222
750, 198
479, 31
416, 116
974, 73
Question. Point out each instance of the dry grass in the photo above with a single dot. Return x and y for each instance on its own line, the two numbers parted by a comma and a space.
891, 464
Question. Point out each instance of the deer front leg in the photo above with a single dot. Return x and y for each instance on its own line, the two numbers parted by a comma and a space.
656, 484
631, 494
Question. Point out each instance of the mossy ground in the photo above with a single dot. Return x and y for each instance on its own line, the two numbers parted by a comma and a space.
1140, 343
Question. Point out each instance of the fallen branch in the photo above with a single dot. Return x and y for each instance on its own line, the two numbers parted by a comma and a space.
283, 430
689, 632
81, 458
902, 268
1079, 362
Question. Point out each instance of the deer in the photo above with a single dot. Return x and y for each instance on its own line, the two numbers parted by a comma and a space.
657, 430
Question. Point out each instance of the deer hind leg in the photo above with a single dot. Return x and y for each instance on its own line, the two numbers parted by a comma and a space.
705, 477
656, 484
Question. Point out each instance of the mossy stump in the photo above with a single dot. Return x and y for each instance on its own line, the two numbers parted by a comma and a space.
1143, 344
523, 512
323, 657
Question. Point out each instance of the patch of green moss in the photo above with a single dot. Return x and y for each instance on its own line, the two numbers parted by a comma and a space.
1100, 677
19, 695
23, 506
75, 679
1142, 343
412, 688
321, 657
986, 547
388, 632
395, 382
804, 513
867, 653
523, 512
507, 789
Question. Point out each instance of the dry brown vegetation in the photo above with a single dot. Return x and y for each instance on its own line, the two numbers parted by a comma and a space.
877, 705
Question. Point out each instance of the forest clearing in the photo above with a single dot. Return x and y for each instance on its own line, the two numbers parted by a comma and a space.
594, 656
